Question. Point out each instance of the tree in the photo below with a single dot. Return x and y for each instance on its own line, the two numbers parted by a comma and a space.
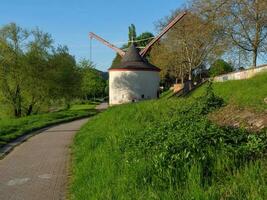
32, 72
65, 76
190, 44
93, 84
144, 38
131, 34
220, 67
12, 73
245, 23
36, 87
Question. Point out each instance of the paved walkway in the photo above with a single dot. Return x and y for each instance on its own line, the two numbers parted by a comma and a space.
37, 169
102, 106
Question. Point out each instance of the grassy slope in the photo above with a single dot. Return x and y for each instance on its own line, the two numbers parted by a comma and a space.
161, 150
10, 129
166, 94
142, 151
244, 93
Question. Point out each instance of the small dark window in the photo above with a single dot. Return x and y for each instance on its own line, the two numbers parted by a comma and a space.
143, 96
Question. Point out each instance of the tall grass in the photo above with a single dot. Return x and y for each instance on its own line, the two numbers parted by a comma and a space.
166, 149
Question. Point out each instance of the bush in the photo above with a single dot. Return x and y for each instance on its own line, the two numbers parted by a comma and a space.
210, 101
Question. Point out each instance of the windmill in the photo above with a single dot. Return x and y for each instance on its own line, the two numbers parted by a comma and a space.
134, 78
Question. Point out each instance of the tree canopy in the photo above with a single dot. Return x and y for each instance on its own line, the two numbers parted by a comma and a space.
189, 45
220, 67
35, 74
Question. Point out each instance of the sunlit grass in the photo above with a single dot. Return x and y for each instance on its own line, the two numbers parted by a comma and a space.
244, 93
166, 150
10, 129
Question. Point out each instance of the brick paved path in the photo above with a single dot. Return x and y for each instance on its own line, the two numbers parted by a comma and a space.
37, 169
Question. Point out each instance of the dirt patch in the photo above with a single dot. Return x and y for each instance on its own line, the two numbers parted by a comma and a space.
240, 117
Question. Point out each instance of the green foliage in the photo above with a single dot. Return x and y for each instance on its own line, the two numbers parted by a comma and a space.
65, 77
166, 94
210, 100
220, 67
34, 74
248, 93
131, 33
167, 149
93, 84
12, 65
11, 129
144, 38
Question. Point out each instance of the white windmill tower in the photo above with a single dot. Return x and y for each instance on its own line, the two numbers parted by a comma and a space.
134, 78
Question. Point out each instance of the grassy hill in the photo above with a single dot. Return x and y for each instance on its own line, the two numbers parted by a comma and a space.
248, 93
169, 149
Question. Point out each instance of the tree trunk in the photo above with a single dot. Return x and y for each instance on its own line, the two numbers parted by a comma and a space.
255, 55
257, 36
190, 79
29, 110
17, 112
17, 103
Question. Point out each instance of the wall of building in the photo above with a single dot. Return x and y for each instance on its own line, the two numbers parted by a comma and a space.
245, 74
129, 86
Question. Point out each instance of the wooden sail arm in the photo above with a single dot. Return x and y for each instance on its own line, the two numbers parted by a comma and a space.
165, 30
118, 50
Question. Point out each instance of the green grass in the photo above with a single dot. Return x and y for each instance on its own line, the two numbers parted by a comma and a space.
11, 129
166, 94
166, 149
83, 107
244, 93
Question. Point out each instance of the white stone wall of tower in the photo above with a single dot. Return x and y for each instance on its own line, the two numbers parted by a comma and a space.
129, 86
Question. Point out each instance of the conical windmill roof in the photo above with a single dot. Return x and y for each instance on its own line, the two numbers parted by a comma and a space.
132, 61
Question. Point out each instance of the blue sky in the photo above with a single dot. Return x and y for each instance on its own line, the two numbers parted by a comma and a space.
70, 21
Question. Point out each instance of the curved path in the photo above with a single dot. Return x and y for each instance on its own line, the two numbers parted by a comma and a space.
37, 169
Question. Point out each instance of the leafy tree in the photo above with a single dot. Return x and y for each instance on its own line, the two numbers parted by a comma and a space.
131, 34
12, 72
220, 67
93, 84
33, 74
65, 78
144, 38
36, 87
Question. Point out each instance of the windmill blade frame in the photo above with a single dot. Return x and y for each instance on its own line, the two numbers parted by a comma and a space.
108, 44
163, 32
